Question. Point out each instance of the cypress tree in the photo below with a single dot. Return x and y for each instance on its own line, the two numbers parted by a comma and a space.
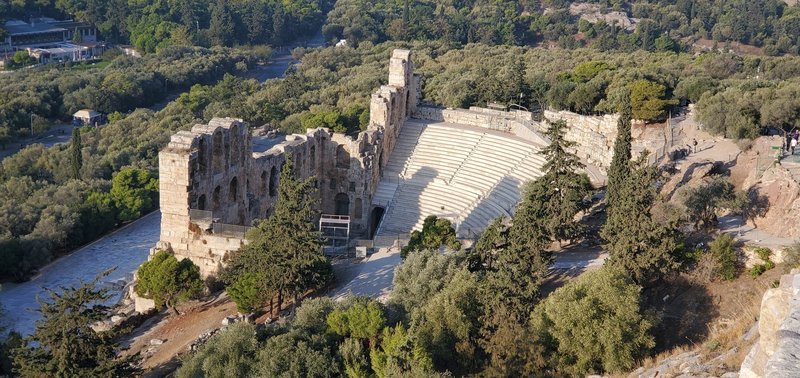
620, 162
76, 159
640, 245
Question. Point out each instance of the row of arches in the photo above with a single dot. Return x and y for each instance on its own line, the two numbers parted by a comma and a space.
342, 206
236, 152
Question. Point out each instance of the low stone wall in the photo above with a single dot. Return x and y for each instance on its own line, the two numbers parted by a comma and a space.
776, 354
518, 123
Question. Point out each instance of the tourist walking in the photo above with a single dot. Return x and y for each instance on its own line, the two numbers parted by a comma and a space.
793, 144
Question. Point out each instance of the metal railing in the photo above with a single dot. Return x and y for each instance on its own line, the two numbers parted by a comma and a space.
229, 229
201, 215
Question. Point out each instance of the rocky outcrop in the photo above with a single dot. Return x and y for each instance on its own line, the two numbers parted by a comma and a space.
782, 192
777, 352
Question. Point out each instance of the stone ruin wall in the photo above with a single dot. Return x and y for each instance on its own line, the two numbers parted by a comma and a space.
594, 135
213, 185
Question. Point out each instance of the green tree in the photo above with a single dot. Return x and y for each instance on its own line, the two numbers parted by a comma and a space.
246, 293
221, 27
562, 191
297, 354
362, 319
594, 324
448, 326
168, 281
620, 168
421, 276
647, 100
723, 250
436, 232
230, 353
636, 242
134, 191
76, 157
64, 343
285, 250
703, 201
398, 355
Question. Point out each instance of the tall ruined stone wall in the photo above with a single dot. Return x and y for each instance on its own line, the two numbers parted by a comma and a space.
776, 354
213, 183
594, 135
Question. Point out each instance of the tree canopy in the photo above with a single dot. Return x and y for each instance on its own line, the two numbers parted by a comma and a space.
168, 281
65, 344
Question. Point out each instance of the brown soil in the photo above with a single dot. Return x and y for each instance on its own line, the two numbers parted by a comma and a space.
711, 315
177, 333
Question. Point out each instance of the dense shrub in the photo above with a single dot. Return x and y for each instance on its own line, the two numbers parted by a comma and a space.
724, 251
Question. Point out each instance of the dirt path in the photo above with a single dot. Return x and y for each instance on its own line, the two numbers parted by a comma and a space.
164, 337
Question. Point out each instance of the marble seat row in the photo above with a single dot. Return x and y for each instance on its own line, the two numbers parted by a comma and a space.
466, 174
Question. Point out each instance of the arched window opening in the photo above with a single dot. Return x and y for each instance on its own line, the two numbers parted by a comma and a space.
201, 156
273, 181
201, 202
313, 157
358, 209
262, 189
342, 157
217, 153
215, 198
233, 146
233, 191
342, 204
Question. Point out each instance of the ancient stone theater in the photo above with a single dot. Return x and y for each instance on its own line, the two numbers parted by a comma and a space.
467, 165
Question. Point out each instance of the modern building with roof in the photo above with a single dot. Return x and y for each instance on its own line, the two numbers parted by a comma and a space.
87, 117
45, 32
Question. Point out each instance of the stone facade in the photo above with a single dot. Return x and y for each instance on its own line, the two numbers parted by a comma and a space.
594, 136
216, 179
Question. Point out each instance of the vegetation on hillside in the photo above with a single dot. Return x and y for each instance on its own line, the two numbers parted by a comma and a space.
127, 83
152, 26
658, 25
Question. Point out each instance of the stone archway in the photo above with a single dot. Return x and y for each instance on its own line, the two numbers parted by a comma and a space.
375, 217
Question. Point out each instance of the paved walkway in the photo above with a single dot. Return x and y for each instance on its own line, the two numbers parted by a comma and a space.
735, 226
125, 249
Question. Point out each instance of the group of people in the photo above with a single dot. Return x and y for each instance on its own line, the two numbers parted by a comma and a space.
791, 140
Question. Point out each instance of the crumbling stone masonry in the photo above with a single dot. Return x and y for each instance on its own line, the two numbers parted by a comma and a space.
216, 179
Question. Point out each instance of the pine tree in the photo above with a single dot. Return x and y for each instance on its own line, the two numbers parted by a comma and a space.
221, 25
562, 188
286, 248
64, 343
76, 157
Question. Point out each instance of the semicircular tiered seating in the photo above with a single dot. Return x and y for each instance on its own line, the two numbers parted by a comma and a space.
467, 174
